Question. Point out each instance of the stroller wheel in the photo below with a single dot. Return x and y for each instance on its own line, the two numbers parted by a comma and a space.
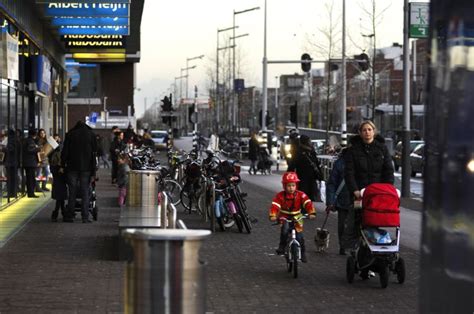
384, 273
400, 270
350, 269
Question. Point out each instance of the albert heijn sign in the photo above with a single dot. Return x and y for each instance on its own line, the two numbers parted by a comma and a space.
116, 8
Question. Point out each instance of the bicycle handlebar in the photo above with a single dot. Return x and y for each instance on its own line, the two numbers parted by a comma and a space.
305, 216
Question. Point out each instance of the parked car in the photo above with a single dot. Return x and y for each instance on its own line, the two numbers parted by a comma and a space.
417, 160
160, 138
397, 156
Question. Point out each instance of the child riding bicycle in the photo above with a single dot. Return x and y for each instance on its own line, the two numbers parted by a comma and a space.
288, 204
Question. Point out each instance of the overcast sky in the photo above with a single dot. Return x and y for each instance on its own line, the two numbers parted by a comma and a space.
173, 31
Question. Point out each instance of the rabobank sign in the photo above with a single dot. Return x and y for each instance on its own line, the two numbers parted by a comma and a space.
73, 9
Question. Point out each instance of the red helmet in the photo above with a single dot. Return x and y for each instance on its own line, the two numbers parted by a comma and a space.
289, 177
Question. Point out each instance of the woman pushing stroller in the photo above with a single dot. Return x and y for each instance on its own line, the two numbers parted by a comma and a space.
367, 161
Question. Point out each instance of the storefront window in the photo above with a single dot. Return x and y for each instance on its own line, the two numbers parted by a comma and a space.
3, 106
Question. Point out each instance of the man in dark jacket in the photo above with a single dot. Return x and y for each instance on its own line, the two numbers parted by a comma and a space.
78, 158
30, 161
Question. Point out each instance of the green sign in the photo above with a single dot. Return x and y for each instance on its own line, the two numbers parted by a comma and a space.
419, 19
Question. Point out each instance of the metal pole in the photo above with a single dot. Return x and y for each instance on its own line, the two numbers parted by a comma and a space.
233, 71
264, 77
344, 79
217, 81
406, 107
196, 108
276, 104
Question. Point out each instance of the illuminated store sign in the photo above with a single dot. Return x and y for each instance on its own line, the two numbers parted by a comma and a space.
94, 30
95, 44
84, 1
87, 9
90, 21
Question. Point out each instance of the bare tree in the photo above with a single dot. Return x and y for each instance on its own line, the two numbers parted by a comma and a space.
374, 16
326, 46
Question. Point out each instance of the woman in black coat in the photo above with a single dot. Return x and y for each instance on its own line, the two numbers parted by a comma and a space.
367, 161
306, 165
59, 191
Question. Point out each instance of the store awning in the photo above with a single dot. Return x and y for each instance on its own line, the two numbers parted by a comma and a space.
96, 31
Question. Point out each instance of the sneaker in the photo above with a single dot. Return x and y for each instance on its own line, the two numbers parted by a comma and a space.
86, 220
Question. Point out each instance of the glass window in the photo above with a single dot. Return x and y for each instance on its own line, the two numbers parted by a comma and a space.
19, 112
12, 107
3, 106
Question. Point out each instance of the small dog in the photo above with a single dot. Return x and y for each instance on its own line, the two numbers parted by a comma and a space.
321, 239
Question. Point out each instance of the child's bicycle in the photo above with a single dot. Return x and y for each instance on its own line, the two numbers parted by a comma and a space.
293, 247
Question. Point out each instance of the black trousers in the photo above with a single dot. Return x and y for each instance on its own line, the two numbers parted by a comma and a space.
341, 222
78, 183
30, 180
12, 181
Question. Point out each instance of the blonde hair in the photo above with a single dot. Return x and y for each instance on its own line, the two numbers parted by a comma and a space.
369, 123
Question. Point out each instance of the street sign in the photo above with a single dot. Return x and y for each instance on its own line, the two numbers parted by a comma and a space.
419, 19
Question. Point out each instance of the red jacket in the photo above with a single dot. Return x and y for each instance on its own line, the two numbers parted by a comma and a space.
287, 205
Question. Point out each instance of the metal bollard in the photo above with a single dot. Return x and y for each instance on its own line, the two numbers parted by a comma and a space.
165, 274
142, 188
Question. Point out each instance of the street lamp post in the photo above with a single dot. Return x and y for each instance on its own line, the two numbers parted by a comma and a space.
186, 76
372, 43
234, 102
276, 102
344, 79
187, 68
264, 76
217, 70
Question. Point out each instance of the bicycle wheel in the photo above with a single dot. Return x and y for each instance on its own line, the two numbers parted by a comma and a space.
238, 222
295, 255
173, 190
187, 200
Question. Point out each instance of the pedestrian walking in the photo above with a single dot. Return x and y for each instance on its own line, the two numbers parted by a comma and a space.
338, 197
116, 147
367, 161
59, 189
30, 161
42, 171
253, 153
122, 178
101, 156
78, 158
306, 164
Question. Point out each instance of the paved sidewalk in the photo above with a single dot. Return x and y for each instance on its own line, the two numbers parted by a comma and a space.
65, 267
245, 276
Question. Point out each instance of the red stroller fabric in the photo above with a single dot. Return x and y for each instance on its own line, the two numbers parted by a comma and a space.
380, 206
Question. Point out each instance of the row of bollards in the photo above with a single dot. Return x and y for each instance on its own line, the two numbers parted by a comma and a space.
164, 273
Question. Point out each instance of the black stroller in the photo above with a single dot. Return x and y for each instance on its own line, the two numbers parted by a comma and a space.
264, 163
93, 208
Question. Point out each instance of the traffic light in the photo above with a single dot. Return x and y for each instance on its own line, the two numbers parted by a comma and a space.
167, 106
294, 113
190, 113
269, 119
306, 67
350, 114
363, 61
333, 67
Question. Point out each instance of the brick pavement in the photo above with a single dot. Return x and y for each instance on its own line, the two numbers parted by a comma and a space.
72, 268
244, 275
64, 267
